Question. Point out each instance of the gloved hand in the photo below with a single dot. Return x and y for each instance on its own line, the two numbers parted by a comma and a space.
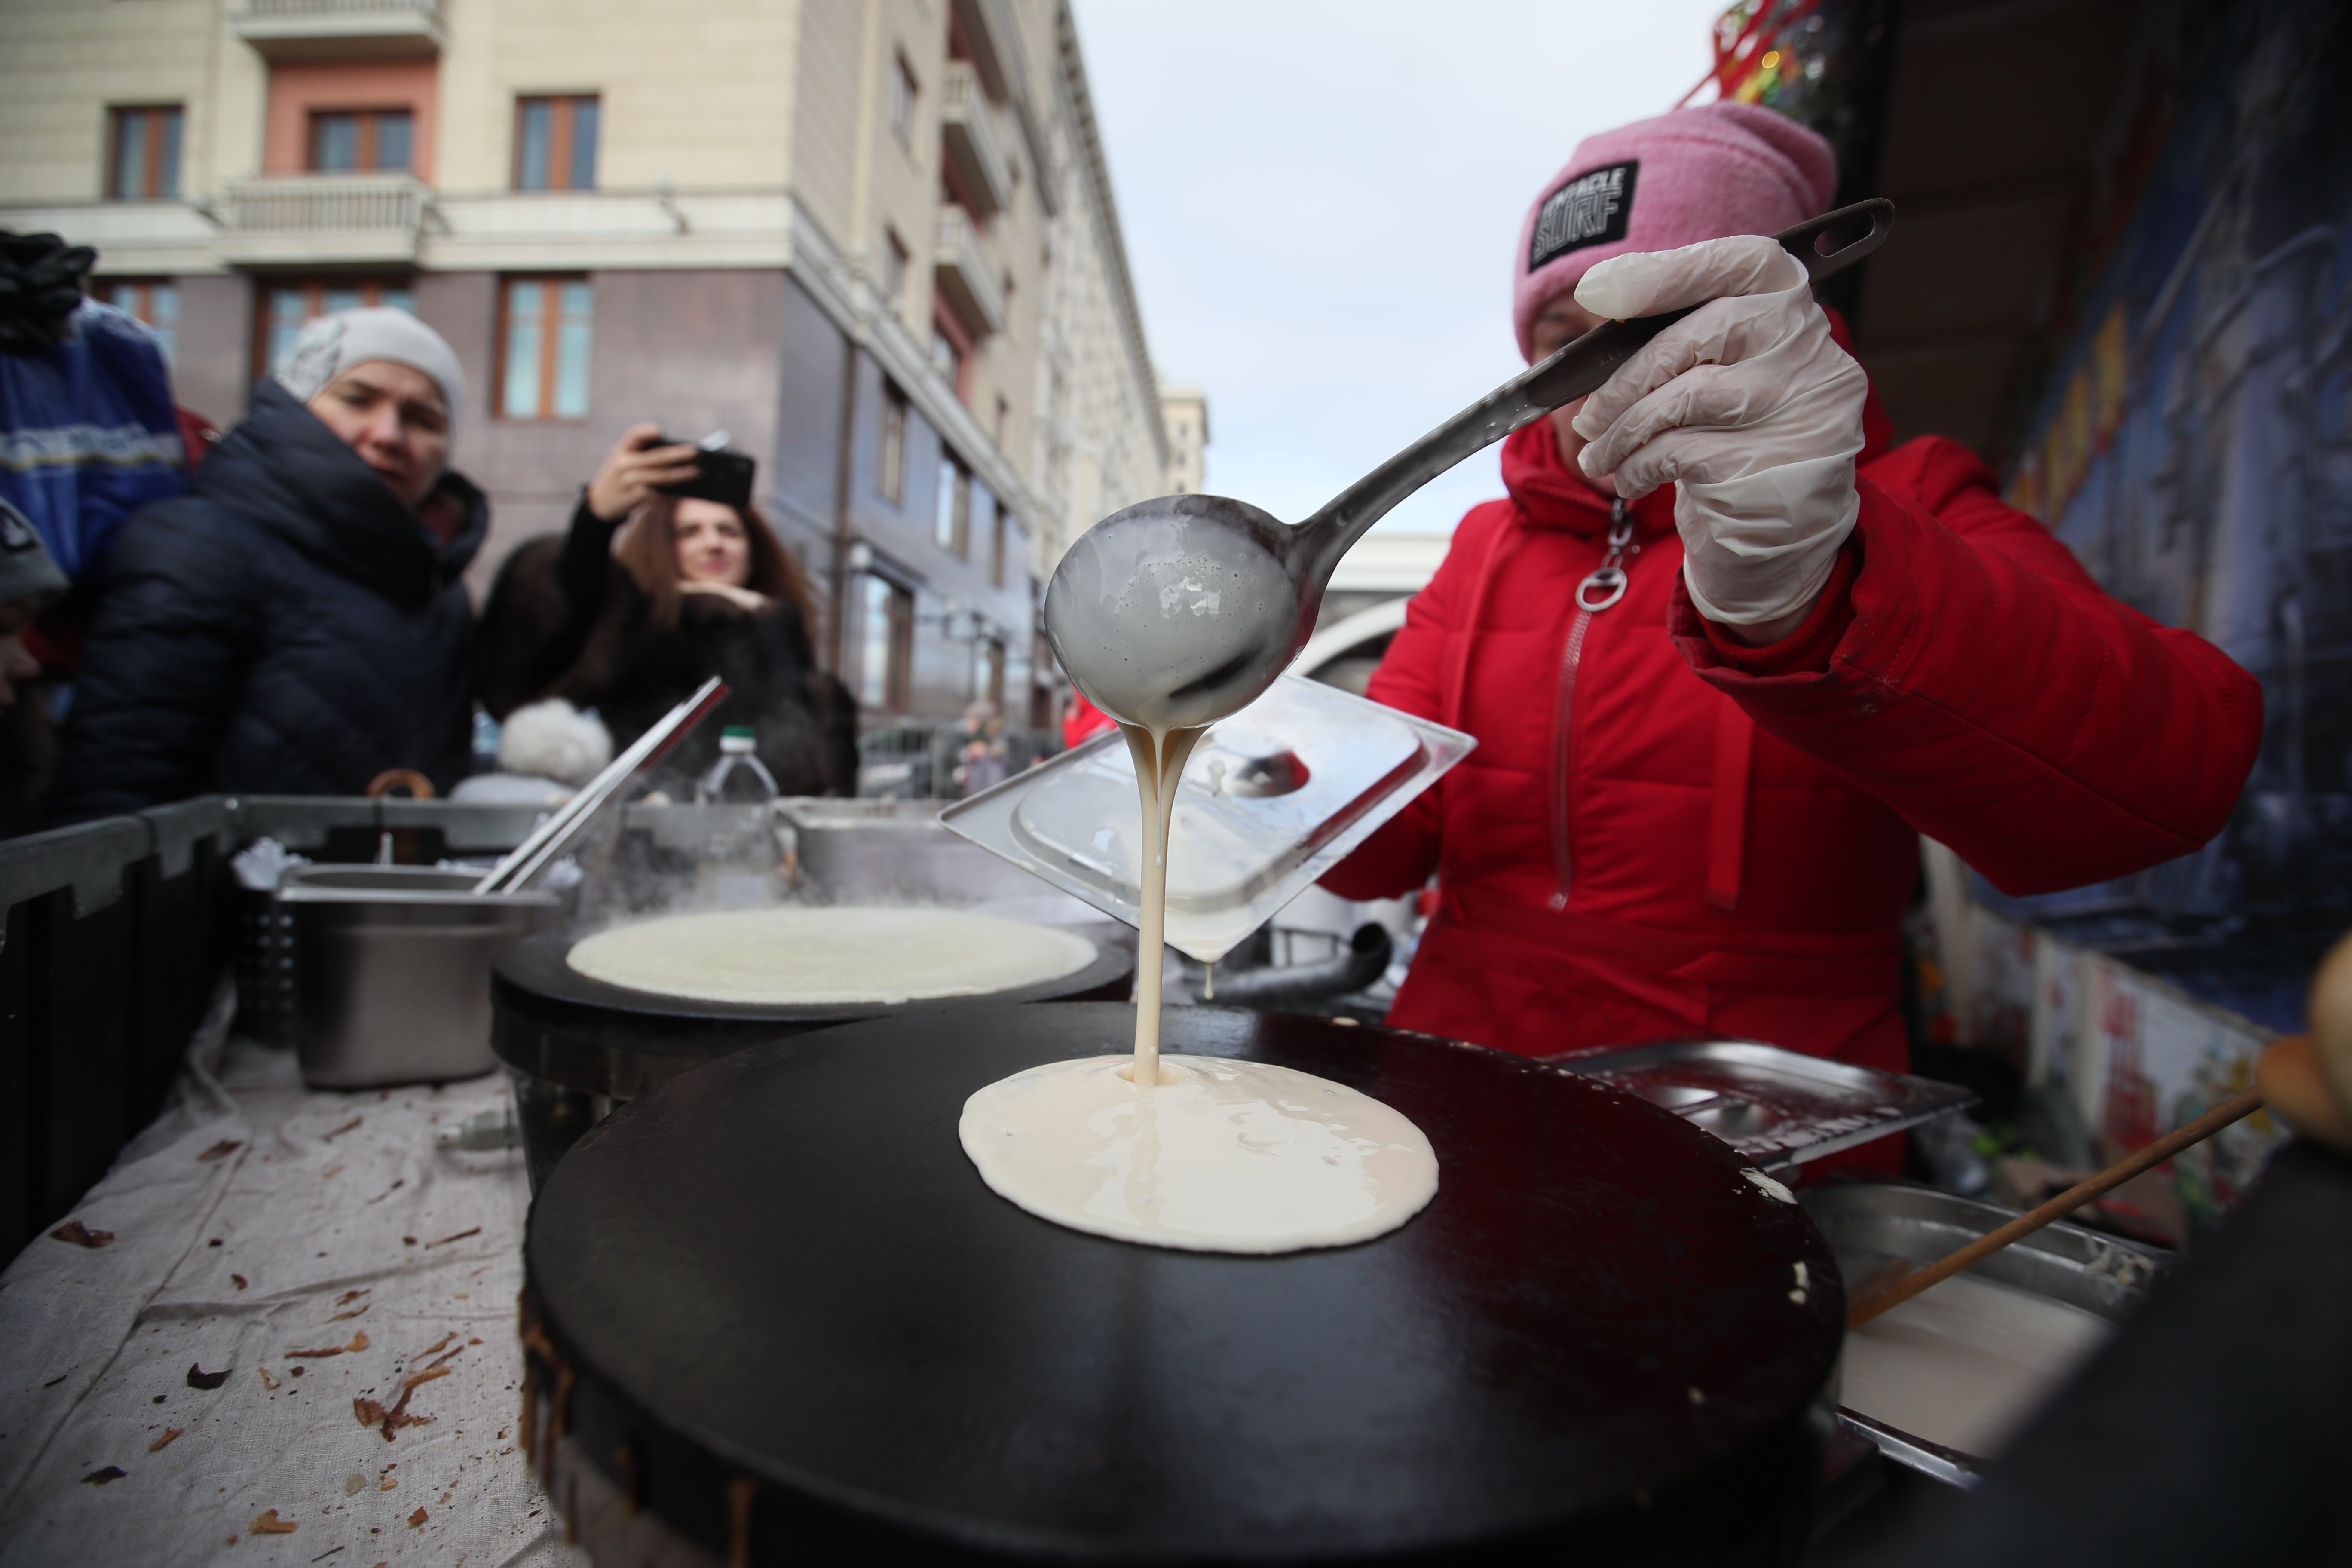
1747, 405
2306, 1079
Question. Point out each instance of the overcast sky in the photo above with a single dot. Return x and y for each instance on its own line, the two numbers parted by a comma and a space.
1320, 199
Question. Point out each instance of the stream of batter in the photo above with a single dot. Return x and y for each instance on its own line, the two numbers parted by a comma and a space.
1159, 757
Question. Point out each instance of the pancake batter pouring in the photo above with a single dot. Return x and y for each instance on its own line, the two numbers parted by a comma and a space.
1158, 765
1199, 1152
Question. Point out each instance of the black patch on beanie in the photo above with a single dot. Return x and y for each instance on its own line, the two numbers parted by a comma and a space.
1592, 209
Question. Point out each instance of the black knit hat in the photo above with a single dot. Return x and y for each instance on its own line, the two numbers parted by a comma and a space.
40, 284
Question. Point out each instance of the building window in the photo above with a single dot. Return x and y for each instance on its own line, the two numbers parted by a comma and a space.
894, 267
555, 143
545, 329
979, 516
363, 141
996, 550
890, 457
887, 646
951, 349
155, 302
144, 160
953, 526
286, 307
903, 90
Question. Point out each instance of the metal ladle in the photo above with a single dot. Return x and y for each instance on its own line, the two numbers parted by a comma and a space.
1176, 612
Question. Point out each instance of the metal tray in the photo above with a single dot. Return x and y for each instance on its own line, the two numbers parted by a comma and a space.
1869, 1222
1776, 1107
1271, 799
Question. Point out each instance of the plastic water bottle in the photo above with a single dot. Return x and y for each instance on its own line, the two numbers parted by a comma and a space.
738, 777
745, 854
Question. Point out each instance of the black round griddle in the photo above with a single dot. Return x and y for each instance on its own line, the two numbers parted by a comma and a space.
580, 1042
774, 1305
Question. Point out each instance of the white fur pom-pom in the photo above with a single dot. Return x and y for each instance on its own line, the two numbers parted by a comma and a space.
553, 740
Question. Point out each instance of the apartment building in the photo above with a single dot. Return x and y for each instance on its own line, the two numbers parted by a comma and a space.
874, 241
1185, 412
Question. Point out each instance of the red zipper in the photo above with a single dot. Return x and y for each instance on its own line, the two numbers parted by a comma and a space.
1601, 589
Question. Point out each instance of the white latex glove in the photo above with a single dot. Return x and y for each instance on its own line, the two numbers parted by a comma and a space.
1747, 405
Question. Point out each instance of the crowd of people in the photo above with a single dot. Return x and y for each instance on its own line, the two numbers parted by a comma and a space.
281, 609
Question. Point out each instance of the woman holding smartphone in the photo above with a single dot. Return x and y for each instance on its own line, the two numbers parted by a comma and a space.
698, 585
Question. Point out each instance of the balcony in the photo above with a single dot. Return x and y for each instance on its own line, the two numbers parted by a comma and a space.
132, 238
323, 219
309, 30
988, 32
973, 146
965, 279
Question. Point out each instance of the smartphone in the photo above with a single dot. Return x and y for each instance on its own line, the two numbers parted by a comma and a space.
724, 475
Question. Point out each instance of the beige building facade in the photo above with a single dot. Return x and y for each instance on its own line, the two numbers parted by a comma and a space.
1185, 412
872, 240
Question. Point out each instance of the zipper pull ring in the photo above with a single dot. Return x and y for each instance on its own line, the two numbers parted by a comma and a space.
1602, 588
1605, 584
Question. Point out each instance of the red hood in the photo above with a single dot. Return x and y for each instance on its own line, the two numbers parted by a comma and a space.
1549, 494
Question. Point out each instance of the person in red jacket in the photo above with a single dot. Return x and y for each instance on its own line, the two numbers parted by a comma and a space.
1728, 653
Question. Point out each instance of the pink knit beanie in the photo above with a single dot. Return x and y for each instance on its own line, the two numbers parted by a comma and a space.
1656, 185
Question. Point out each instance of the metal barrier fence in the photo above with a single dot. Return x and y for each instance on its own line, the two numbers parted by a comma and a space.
917, 761
116, 933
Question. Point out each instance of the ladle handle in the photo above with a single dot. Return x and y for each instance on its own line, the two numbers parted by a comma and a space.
1577, 368
1894, 1292
534, 853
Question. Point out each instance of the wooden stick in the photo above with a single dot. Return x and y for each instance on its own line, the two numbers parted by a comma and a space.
2059, 1207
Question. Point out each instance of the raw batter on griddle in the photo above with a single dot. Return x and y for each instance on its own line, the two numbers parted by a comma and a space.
830, 954
1219, 1156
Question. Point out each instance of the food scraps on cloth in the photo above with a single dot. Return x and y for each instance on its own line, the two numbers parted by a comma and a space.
359, 1343
372, 1411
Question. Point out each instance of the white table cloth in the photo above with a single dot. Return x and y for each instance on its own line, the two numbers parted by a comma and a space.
257, 1225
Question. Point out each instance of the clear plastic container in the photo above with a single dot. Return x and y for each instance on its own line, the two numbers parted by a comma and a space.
1271, 799
738, 777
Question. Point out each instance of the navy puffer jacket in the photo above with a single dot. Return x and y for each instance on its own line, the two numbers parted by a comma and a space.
287, 627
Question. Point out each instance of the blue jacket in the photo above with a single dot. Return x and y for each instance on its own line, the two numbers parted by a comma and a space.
287, 627
87, 435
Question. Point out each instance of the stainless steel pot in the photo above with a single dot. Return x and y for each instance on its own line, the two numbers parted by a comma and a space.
393, 970
896, 851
